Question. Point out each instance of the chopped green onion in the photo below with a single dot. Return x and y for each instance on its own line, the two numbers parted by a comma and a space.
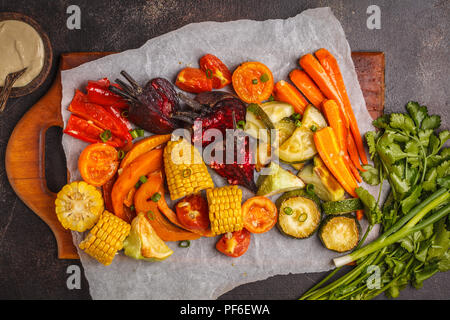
264, 77
121, 154
313, 128
105, 135
209, 73
187, 173
255, 81
184, 244
132, 208
310, 189
143, 179
288, 211
150, 215
140, 132
296, 116
271, 98
124, 113
302, 217
241, 124
134, 134
298, 123
156, 197
137, 185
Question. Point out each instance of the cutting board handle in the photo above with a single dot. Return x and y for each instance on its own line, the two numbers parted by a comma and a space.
25, 164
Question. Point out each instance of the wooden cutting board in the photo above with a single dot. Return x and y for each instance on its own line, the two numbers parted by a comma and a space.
25, 153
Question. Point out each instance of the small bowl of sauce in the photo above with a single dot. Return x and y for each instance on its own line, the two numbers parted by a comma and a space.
23, 44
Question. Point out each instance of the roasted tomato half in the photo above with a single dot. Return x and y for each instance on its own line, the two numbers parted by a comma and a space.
234, 244
193, 80
216, 70
260, 214
98, 163
192, 212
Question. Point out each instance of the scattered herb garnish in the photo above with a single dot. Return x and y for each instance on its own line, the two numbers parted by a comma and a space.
264, 77
184, 244
156, 197
105, 135
288, 211
255, 81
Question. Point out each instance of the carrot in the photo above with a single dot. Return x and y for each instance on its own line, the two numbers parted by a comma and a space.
143, 146
353, 152
329, 63
305, 84
142, 165
334, 118
352, 168
328, 148
315, 70
286, 92
359, 214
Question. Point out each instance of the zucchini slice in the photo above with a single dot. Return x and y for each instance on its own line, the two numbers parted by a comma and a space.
342, 206
297, 193
278, 181
340, 233
313, 117
299, 217
285, 128
299, 147
277, 110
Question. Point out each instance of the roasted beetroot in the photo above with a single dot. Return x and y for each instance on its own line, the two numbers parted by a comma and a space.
151, 106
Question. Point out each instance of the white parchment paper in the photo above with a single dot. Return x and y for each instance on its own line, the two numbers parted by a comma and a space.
200, 271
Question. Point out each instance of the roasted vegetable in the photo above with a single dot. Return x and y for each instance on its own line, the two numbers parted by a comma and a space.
215, 70
193, 80
340, 233
342, 206
98, 93
325, 185
286, 92
98, 163
305, 84
259, 214
300, 146
298, 217
253, 82
185, 170
78, 206
234, 244
225, 209
143, 165
192, 212
143, 243
106, 238
277, 180
151, 107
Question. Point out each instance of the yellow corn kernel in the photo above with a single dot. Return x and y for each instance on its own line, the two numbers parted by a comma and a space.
225, 209
106, 238
186, 173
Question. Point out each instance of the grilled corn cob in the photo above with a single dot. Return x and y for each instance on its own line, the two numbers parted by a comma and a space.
225, 209
106, 238
186, 172
78, 206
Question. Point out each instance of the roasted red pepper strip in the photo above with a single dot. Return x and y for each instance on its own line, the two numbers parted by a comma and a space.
81, 107
118, 113
98, 93
87, 131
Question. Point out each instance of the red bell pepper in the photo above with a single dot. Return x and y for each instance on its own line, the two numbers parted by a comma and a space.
98, 93
118, 113
87, 131
83, 108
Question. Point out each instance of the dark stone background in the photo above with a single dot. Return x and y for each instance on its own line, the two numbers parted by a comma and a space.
414, 36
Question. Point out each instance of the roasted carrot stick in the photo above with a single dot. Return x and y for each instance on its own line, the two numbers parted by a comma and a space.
331, 67
353, 152
352, 168
359, 214
305, 84
286, 92
335, 120
328, 148
315, 70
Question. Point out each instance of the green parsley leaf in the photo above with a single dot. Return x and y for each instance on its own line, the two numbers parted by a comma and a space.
431, 122
417, 112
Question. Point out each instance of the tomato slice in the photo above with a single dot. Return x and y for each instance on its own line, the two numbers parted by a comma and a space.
193, 80
98, 163
215, 69
253, 82
234, 244
192, 212
259, 214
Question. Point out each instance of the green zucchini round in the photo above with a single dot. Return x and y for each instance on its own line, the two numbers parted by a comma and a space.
298, 217
340, 233
342, 206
